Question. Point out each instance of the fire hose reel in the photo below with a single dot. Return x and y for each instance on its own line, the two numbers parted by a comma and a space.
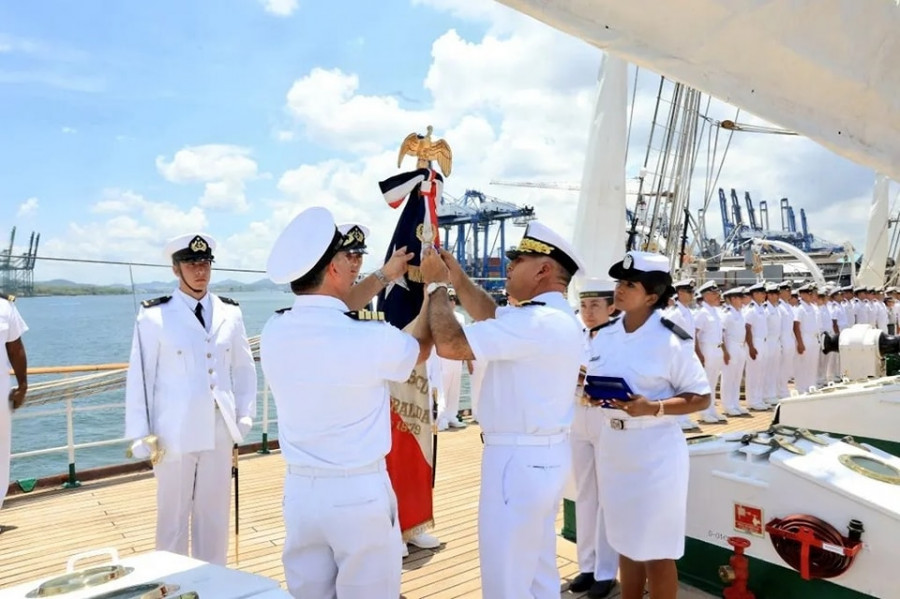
813, 547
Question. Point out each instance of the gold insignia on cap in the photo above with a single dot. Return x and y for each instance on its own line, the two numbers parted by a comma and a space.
628, 261
354, 235
533, 245
198, 245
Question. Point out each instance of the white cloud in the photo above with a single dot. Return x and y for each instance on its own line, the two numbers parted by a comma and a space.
223, 168
280, 8
28, 208
69, 130
284, 135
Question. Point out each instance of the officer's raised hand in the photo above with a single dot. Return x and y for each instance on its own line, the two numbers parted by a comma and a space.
397, 264
455, 270
434, 269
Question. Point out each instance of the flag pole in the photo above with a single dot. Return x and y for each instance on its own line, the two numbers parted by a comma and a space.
237, 505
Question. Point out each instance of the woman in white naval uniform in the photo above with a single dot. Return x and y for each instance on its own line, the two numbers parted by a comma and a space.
11, 329
643, 455
533, 352
192, 383
807, 325
597, 561
342, 533
708, 345
755, 318
735, 332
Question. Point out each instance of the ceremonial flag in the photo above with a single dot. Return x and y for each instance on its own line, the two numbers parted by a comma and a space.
410, 462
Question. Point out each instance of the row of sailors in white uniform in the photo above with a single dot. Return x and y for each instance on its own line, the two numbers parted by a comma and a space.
766, 315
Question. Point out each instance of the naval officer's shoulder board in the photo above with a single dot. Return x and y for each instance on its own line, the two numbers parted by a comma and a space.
530, 303
609, 322
365, 315
282, 311
676, 330
228, 300
7, 296
156, 301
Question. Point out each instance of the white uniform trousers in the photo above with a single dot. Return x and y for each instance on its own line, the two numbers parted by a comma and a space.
773, 368
833, 367
822, 369
594, 552
806, 366
756, 376
786, 367
521, 488
5, 441
732, 373
713, 360
342, 534
451, 374
193, 500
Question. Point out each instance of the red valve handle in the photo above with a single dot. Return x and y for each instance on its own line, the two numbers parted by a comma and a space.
739, 542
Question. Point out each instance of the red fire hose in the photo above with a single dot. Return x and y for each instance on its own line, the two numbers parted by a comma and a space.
813, 547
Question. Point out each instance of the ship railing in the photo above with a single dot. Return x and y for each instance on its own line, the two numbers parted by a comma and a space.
82, 381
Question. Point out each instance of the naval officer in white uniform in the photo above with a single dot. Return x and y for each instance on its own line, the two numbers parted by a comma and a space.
192, 383
806, 327
644, 462
597, 561
329, 375
534, 352
680, 313
709, 344
12, 327
734, 335
757, 332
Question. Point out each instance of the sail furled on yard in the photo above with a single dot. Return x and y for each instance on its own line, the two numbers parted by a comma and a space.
824, 68
874, 260
599, 235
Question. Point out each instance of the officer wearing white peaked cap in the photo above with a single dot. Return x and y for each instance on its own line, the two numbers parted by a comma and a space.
328, 372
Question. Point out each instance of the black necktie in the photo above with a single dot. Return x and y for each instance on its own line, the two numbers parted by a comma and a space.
198, 312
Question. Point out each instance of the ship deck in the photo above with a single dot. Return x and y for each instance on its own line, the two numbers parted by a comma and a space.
43, 529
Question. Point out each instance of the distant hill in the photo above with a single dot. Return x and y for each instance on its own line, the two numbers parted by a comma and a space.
67, 287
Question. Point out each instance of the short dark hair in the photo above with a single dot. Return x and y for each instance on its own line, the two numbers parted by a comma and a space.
310, 281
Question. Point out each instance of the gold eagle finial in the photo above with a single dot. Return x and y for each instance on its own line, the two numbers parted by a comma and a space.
425, 150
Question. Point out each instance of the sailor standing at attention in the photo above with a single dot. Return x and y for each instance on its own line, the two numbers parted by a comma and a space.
806, 330
682, 315
12, 327
340, 512
645, 466
788, 352
756, 325
735, 331
533, 352
709, 346
192, 383
597, 561
773, 345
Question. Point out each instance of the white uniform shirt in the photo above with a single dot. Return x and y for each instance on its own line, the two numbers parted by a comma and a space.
787, 323
533, 353
755, 316
881, 315
773, 323
809, 324
734, 328
329, 375
839, 314
654, 361
708, 323
11, 328
682, 316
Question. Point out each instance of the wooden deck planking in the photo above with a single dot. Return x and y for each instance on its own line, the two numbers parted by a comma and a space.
51, 526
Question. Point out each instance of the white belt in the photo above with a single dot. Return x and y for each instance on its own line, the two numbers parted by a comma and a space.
627, 424
514, 439
311, 472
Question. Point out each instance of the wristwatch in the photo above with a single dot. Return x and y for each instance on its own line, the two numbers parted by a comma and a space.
432, 287
382, 278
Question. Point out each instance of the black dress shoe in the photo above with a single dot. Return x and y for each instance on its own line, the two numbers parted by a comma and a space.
601, 589
582, 582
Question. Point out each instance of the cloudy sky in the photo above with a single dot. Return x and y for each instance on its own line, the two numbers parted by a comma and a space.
125, 124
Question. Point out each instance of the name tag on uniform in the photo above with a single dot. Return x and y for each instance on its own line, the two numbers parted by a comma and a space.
605, 389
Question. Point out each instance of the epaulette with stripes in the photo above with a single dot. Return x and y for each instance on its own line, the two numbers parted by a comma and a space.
676, 330
530, 303
156, 301
228, 300
365, 315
